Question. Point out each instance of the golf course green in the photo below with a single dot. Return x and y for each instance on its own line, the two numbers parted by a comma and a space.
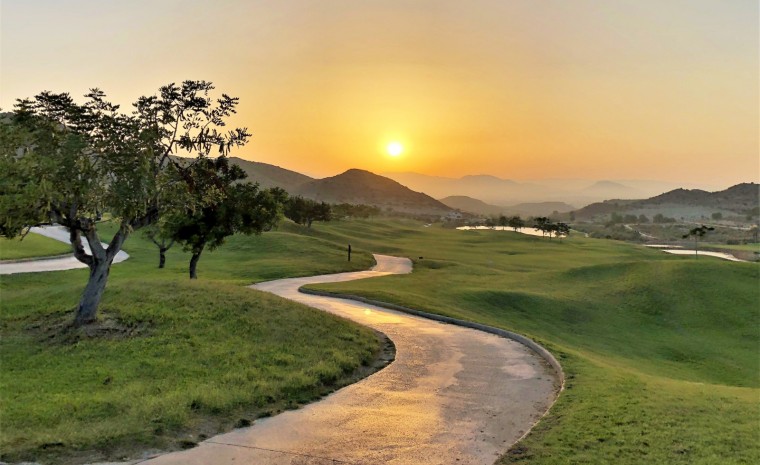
660, 352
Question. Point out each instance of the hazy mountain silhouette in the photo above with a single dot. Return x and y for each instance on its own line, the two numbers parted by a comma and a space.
363, 187
497, 191
270, 175
471, 205
610, 189
740, 200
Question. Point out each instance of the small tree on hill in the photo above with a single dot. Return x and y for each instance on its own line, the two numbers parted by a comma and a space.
516, 223
221, 207
698, 233
542, 224
162, 239
562, 230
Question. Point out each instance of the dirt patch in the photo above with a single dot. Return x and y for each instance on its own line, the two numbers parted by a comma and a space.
59, 329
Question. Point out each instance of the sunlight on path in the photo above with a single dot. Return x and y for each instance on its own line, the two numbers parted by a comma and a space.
453, 395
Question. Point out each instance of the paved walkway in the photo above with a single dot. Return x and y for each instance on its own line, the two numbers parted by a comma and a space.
67, 262
452, 396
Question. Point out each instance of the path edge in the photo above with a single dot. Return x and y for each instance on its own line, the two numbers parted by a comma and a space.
530, 343
542, 351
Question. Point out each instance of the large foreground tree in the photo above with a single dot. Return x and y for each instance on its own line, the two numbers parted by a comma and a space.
68, 163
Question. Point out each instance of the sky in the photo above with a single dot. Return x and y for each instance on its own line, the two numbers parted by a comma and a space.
520, 89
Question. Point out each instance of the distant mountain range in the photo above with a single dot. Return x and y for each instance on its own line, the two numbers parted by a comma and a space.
486, 195
478, 207
353, 186
695, 204
497, 191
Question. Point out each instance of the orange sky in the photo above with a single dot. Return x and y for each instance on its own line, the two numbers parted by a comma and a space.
519, 89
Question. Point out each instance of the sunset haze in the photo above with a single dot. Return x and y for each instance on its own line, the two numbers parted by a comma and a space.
515, 89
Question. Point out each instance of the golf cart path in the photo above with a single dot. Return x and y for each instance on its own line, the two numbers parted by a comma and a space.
66, 262
453, 395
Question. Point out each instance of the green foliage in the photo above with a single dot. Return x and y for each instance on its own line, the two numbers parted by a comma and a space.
221, 207
347, 210
68, 163
516, 223
306, 211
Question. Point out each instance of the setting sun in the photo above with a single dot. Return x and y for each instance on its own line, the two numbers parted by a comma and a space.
394, 149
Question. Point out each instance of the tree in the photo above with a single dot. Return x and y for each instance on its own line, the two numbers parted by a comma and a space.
162, 239
562, 230
67, 163
516, 223
643, 219
221, 207
306, 211
697, 233
541, 223
503, 221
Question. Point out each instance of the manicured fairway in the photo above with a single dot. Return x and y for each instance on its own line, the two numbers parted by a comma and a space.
32, 245
661, 352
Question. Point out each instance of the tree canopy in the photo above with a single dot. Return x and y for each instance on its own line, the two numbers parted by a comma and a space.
69, 163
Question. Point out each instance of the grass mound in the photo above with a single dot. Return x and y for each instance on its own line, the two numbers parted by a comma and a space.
170, 361
33, 245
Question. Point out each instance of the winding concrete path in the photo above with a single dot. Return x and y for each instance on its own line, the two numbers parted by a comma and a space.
66, 262
452, 396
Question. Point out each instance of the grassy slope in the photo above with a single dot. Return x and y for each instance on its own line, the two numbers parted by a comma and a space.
32, 245
661, 352
200, 356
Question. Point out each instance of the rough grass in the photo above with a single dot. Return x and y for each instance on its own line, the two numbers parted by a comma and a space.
661, 351
33, 245
171, 361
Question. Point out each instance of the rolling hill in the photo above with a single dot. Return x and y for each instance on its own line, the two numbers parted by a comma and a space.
270, 175
363, 187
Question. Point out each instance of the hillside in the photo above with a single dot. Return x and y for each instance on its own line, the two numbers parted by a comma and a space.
270, 175
738, 200
471, 205
363, 187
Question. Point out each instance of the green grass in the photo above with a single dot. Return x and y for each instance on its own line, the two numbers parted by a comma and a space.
173, 360
741, 247
33, 245
661, 351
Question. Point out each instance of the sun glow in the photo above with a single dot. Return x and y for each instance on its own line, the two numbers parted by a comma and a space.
395, 149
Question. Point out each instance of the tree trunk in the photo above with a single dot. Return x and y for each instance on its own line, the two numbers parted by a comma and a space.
88, 305
162, 257
194, 264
